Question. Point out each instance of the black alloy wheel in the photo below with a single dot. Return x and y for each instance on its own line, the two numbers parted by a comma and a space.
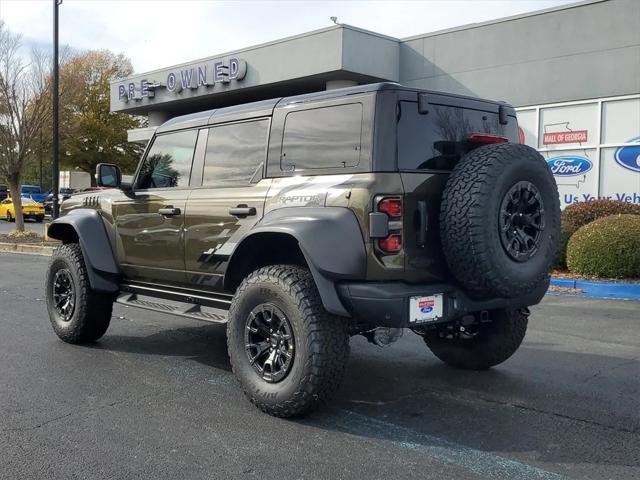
269, 342
521, 221
64, 294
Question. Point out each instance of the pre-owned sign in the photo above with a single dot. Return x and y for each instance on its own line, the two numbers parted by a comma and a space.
191, 78
554, 138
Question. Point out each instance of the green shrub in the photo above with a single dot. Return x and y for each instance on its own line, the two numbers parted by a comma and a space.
560, 261
607, 247
578, 214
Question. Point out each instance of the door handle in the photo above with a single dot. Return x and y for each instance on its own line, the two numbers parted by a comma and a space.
242, 211
169, 211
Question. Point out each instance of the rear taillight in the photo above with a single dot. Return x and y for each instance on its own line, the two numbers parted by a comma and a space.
391, 206
391, 244
486, 138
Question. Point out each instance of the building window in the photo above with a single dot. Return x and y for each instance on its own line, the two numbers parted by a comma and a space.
592, 146
168, 162
235, 153
327, 137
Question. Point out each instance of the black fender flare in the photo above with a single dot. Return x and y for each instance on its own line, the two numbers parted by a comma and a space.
89, 229
330, 240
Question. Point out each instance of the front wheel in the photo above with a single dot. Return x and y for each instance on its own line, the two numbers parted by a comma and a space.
77, 313
288, 353
8, 217
480, 345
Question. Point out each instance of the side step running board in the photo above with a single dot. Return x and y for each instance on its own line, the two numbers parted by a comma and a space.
174, 307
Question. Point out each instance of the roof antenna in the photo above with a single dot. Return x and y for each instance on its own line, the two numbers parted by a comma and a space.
334, 20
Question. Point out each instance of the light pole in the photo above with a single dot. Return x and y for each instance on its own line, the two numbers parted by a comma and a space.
55, 103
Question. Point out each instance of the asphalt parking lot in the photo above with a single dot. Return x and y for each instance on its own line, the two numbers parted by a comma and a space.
155, 398
8, 227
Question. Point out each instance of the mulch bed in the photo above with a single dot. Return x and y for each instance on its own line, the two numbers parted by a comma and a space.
4, 238
554, 288
565, 275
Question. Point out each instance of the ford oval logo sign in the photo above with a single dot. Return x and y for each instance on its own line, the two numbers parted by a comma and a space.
629, 156
569, 165
426, 309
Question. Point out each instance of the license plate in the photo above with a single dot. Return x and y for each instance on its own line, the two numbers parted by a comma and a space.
425, 309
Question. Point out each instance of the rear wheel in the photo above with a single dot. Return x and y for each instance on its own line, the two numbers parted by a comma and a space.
480, 345
77, 313
288, 353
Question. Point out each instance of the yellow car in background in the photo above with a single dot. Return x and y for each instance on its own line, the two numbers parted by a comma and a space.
30, 209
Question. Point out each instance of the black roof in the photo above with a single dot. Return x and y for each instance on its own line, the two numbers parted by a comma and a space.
265, 107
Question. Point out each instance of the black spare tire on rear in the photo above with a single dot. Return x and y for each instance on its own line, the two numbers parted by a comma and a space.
500, 221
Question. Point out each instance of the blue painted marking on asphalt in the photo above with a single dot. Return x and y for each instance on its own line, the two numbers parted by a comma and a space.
599, 289
485, 464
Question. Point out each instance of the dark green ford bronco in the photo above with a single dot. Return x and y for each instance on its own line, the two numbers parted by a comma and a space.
302, 221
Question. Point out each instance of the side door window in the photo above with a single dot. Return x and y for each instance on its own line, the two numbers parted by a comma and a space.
235, 153
168, 161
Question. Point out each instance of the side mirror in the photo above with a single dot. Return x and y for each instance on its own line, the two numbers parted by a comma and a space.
108, 175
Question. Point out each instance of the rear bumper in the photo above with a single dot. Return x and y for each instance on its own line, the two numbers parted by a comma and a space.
387, 303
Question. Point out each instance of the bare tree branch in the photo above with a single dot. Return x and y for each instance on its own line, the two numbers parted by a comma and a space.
24, 110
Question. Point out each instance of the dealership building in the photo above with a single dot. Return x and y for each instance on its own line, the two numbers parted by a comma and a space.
572, 72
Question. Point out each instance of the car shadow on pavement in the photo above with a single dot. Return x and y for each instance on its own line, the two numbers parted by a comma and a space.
416, 402
205, 344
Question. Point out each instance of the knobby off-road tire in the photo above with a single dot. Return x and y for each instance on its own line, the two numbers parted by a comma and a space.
320, 342
88, 318
493, 343
483, 188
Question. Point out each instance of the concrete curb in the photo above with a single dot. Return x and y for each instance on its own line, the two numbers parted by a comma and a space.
27, 248
598, 289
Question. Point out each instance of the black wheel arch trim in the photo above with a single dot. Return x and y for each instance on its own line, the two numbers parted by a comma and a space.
89, 228
330, 240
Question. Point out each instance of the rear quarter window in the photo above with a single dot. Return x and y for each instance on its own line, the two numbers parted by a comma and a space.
320, 138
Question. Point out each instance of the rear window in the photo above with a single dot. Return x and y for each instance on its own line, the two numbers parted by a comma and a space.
327, 137
30, 189
436, 141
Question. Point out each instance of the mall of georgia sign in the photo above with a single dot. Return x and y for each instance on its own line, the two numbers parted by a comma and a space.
206, 75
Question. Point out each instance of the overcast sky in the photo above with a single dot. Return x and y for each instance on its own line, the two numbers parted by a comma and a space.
160, 33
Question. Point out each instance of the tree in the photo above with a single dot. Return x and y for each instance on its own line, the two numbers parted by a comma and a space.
90, 133
25, 108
